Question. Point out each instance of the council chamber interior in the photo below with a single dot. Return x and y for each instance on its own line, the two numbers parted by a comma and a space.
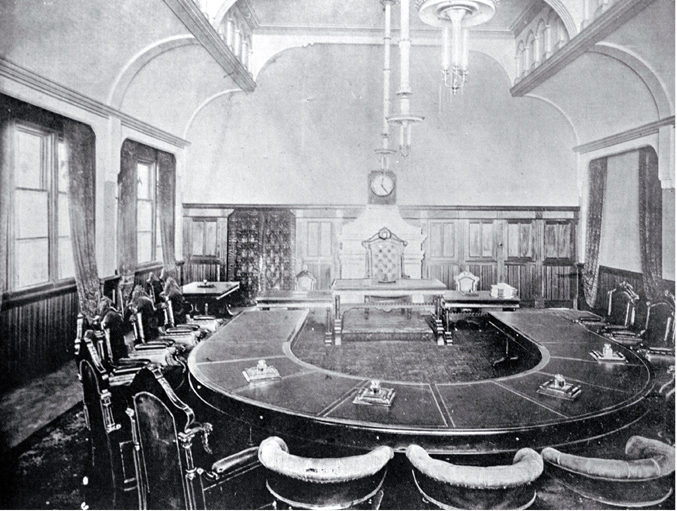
397, 254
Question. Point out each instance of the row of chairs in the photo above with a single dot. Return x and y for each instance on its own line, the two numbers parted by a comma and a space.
149, 450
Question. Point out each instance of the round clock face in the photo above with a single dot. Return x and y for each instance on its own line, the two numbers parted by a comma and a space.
382, 185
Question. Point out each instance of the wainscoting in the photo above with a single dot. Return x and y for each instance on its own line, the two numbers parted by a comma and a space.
37, 334
532, 249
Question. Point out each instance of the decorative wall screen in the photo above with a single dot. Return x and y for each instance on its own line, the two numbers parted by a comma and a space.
261, 250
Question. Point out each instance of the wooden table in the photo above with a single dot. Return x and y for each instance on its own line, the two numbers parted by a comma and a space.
351, 293
455, 304
286, 299
503, 414
203, 296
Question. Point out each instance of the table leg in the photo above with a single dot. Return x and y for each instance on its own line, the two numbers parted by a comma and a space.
338, 321
328, 328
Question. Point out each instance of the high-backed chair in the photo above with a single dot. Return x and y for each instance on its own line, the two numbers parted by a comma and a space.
644, 479
109, 471
174, 464
333, 483
659, 329
385, 256
466, 282
450, 486
620, 318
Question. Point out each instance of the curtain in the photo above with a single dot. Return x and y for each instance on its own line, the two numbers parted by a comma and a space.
650, 223
80, 141
4, 200
598, 170
126, 235
166, 198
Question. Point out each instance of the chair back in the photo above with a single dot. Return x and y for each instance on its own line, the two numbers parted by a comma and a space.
660, 325
466, 282
163, 428
109, 440
385, 256
305, 281
621, 305
332, 483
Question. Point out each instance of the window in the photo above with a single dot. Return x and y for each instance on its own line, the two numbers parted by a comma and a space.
149, 243
204, 237
40, 249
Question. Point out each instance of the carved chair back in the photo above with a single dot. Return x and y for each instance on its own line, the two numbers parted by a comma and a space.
385, 256
466, 282
622, 305
660, 325
305, 281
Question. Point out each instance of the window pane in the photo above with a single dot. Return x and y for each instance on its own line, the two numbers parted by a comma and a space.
63, 166
66, 266
32, 262
143, 171
145, 246
210, 238
28, 169
158, 241
198, 237
30, 211
144, 216
64, 216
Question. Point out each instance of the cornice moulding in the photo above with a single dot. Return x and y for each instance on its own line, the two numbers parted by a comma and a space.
38, 83
625, 136
615, 17
199, 26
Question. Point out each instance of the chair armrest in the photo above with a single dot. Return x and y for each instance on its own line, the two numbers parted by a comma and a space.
226, 465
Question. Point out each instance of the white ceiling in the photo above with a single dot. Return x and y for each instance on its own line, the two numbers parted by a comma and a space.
362, 14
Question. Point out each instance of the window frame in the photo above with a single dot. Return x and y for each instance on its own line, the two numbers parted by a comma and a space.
153, 192
49, 162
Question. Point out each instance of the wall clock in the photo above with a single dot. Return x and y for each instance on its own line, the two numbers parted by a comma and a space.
382, 187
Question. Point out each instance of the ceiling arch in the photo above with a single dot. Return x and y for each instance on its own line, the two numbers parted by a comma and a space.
138, 61
204, 104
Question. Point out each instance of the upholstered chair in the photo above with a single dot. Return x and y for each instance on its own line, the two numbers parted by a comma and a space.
385, 256
643, 479
451, 486
305, 281
174, 464
332, 483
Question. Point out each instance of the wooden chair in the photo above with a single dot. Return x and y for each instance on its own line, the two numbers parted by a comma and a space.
305, 281
466, 282
620, 318
333, 483
450, 486
109, 472
174, 464
385, 256
644, 479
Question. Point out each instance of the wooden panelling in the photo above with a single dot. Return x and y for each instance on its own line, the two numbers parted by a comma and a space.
444, 272
199, 270
488, 274
37, 337
523, 276
559, 283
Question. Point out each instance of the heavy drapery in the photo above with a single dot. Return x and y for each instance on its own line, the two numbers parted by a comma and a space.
650, 223
598, 169
166, 193
4, 200
127, 240
80, 141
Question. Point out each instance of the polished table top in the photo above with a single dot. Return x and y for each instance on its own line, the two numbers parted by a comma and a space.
284, 296
478, 298
408, 285
492, 415
212, 289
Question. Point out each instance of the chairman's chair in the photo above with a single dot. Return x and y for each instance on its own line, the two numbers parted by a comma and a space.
644, 479
174, 464
466, 282
385, 256
450, 486
323, 483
